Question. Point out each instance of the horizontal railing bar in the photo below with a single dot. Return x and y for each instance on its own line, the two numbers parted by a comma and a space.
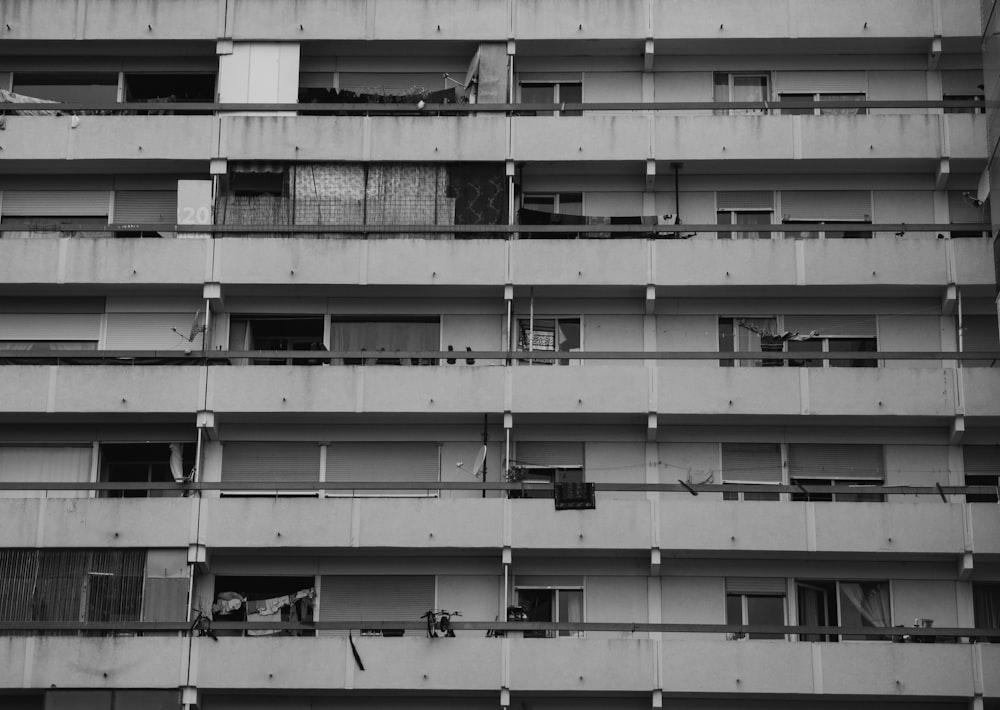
468, 108
504, 626
221, 357
641, 229
278, 485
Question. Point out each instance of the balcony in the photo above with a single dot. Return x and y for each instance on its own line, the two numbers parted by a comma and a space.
352, 261
112, 19
109, 138
864, 668
96, 522
844, 19
93, 662
84, 389
356, 138
911, 392
319, 390
898, 526
90, 261
410, 663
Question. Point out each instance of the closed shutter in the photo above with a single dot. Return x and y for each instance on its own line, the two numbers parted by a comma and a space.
961, 211
63, 464
145, 206
961, 82
821, 82
848, 325
745, 200
271, 461
50, 326
374, 598
826, 204
836, 461
755, 585
981, 460
751, 463
550, 453
150, 331
54, 203
383, 462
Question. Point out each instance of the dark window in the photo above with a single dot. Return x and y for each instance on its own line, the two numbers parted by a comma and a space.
144, 463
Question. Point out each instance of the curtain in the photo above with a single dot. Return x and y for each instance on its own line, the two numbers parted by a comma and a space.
375, 336
811, 612
42, 463
986, 606
240, 338
571, 609
408, 194
871, 601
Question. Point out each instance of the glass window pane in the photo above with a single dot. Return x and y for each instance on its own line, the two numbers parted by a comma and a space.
842, 111
540, 203
794, 99
68, 87
538, 94
571, 94
749, 88
805, 346
768, 611
734, 609
571, 203
853, 345
726, 341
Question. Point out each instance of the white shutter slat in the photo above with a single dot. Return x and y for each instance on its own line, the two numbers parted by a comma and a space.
150, 331
981, 460
374, 597
755, 585
745, 200
383, 462
826, 204
836, 461
50, 326
145, 206
264, 462
751, 463
55, 203
821, 82
550, 453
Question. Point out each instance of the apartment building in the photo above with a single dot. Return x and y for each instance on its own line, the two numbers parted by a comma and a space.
658, 338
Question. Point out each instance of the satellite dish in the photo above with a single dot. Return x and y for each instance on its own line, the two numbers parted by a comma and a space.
480, 464
197, 326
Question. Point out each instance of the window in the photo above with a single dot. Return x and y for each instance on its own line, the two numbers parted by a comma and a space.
738, 335
68, 87
550, 209
978, 98
823, 465
169, 88
391, 335
980, 334
383, 598
751, 463
759, 602
986, 607
43, 345
806, 334
546, 462
271, 462
982, 468
748, 86
261, 599
859, 233
552, 92
145, 463
748, 217
551, 604
821, 207
549, 334
289, 333
71, 585
63, 464
844, 604
794, 98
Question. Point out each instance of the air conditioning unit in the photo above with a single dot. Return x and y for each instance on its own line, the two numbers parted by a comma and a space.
575, 496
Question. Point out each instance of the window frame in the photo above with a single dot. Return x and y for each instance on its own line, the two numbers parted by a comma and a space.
733, 213
524, 323
557, 86
744, 598
555, 589
779, 325
818, 97
730, 85
813, 583
823, 233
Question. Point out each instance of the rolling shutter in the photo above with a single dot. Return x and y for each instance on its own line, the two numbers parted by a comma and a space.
55, 203
755, 585
70, 464
821, 82
848, 325
271, 461
745, 200
50, 326
145, 206
836, 461
751, 463
150, 331
383, 462
826, 204
550, 453
981, 460
375, 598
